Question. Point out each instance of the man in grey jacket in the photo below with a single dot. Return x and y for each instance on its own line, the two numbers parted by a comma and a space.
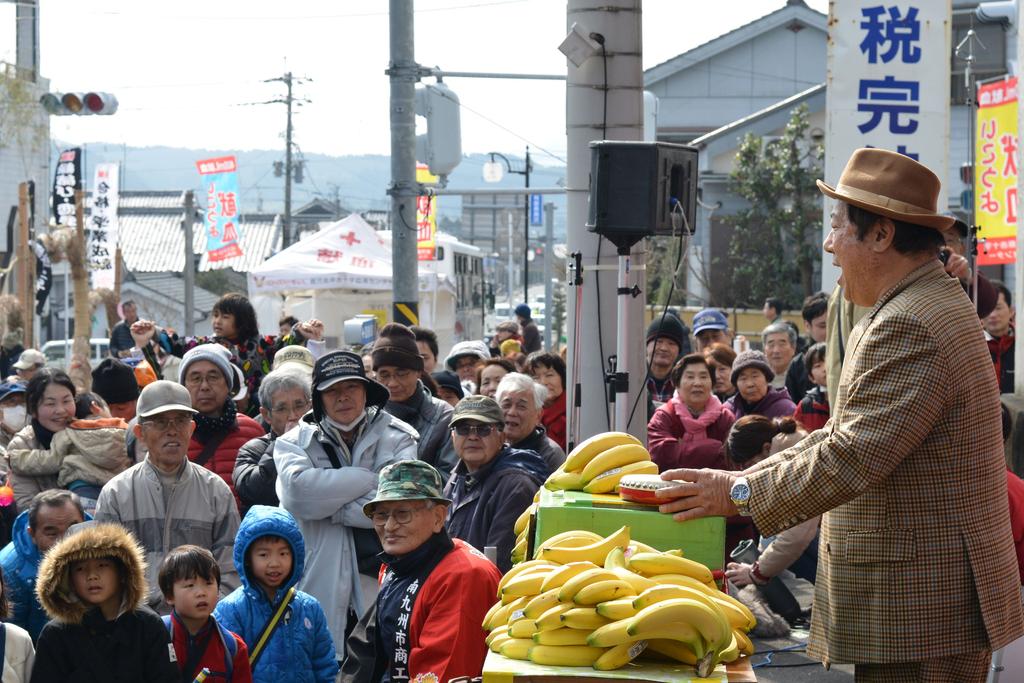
399, 365
327, 470
166, 500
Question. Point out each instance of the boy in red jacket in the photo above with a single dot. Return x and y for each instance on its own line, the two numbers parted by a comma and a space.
190, 581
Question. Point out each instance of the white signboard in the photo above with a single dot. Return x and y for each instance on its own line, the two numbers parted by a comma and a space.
888, 86
101, 228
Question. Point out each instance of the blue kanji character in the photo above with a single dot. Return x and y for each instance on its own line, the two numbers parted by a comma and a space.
901, 33
885, 97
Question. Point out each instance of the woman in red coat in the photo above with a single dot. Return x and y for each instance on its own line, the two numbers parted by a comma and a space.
549, 369
689, 430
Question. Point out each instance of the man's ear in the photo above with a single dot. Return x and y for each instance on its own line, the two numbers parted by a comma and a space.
882, 234
137, 430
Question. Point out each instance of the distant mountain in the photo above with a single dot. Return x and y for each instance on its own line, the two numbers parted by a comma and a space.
358, 182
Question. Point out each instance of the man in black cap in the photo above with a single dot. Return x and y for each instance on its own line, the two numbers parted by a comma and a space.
449, 387
115, 382
398, 366
327, 470
667, 340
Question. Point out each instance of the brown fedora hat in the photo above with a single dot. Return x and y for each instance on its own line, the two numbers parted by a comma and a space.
891, 185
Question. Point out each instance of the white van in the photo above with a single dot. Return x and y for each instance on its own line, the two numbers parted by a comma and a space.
58, 351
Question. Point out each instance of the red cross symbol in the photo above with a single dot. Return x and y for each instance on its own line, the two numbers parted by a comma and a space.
351, 238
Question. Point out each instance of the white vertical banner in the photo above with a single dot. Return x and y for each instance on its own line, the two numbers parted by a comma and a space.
888, 86
101, 234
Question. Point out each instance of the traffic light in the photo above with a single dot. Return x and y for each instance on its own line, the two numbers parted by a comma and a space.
441, 147
79, 104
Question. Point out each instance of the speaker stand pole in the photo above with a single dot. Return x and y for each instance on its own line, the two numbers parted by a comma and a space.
619, 381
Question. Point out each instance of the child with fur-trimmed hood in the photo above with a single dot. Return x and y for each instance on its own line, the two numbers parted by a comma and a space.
92, 585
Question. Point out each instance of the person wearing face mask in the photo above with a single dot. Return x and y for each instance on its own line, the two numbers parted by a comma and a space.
15, 417
50, 400
327, 470
284, 399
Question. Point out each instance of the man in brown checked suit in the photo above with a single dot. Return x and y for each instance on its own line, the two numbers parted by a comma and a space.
917, 577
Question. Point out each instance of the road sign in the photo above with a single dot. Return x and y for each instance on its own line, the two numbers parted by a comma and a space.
536, 209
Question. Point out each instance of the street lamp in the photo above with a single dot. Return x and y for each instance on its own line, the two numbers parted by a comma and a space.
493, 173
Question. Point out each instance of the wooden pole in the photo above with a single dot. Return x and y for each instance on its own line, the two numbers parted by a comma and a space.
79, 369
118, 261
26, 290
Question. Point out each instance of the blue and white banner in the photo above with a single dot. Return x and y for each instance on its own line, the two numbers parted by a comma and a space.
221, 224
888, 85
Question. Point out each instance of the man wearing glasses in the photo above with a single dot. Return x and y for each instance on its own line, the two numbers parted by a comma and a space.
434, 592
284, 399
399, 365
493, 482
211, 379
166, 500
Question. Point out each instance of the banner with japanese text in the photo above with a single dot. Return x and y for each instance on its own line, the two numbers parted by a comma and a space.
888, 86
426, 217
995, 180
101, 227
223, 232
66, 179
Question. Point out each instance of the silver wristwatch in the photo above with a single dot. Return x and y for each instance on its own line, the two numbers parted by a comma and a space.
740, 495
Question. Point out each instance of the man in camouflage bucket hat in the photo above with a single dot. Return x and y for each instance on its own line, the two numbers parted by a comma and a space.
428, 578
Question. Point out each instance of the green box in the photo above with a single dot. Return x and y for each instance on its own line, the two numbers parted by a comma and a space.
702, 540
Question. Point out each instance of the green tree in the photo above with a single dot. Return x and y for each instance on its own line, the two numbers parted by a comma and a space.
776, 242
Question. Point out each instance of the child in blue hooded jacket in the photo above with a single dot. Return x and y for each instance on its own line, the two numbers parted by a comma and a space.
269, 556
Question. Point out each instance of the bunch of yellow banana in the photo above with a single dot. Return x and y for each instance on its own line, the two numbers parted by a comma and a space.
603, 602
597, 464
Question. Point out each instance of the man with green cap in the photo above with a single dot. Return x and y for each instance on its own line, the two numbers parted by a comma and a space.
434, 591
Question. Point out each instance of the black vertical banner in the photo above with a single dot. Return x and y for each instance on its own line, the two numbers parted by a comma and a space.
66, 180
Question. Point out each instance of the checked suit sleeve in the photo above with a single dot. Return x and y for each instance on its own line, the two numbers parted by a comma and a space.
897, 392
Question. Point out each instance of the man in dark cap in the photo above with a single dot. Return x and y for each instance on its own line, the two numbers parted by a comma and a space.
327, 470
449, 387
493, 482
531, 335
115, 382
398, 365
667, 339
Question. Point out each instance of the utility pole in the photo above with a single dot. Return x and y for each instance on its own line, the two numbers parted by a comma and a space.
190, 263
290, 80
404, 72
609, 82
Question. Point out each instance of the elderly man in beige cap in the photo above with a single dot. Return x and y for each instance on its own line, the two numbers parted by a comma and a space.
917, 579
166, 500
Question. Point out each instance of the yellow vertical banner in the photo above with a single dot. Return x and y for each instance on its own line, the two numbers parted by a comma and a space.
426, 217
995, 173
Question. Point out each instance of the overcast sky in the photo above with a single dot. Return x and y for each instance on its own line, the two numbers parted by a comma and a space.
184, 71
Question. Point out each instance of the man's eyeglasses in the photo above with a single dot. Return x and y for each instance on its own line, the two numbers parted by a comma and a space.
385, 376
400, 516
483, 431
164, 423
297, 408
214, 379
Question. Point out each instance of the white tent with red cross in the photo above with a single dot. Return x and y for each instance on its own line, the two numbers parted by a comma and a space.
339, 272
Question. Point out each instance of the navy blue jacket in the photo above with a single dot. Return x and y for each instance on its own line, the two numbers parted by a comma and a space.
486, 503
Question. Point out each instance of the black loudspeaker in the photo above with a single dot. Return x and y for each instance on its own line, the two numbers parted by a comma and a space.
635, 187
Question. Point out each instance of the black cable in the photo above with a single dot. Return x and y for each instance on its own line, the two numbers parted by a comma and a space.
401, 214
600, 240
